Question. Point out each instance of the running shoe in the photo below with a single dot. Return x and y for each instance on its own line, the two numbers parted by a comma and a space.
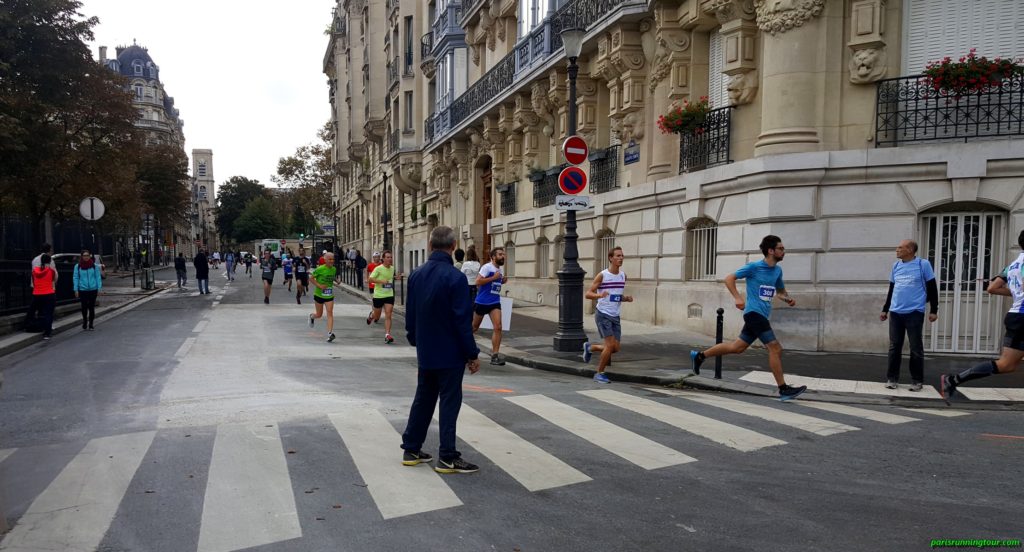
788, 393
916, 386
455, 466
311, 320
330, 337
497, 360
369, 319
586, 351
891, 384
601, 378
413, 457
298, 300
695, 362
388, 338
266, 300
946, 387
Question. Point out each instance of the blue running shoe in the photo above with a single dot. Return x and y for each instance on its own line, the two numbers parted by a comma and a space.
601, 378
586, 352
787, 393
695, 362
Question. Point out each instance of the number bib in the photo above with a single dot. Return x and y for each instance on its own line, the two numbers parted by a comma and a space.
615, 298
766, 293
388, 285
327, 292
496, 288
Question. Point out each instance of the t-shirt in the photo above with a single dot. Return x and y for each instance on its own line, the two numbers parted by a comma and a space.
382, 272
301, 265
762, 283
324, 275
369, 270
267, 268
489, 294
909, 293
287, 266
1013, 277
471, 269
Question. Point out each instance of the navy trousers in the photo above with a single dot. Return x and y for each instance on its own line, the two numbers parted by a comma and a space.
445, 384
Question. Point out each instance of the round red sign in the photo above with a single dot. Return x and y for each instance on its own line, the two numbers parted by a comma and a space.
575, 150
572, 180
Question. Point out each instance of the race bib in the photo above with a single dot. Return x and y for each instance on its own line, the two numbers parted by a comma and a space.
615, 298
327, 292
388, 285
496, 288
302, 268
766, 293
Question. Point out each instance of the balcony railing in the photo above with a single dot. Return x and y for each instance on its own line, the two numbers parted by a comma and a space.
392, 73
708, 145
447, 22
545, 190
428, 130
604, 169
427, 46
407, 68
394, 142
910, 110
508, 198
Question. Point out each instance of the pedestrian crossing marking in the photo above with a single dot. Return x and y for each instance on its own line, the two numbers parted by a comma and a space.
844, 386
530, 465
249, 498
720, 432
809, 424
185, 347
76, 509
943, 412
5, 453
396, 489
619, 441
992, 393
199, 327
873, 415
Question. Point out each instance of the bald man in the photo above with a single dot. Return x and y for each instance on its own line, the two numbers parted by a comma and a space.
911, 286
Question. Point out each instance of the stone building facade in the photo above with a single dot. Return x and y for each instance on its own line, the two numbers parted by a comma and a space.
820, 131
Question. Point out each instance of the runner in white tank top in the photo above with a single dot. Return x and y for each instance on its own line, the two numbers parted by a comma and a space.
607, 289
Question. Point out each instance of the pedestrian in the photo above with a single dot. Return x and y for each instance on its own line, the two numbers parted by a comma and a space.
471, 268
360, 264
301, 266
44, 294
351, 256
460, 256
286, 265
267, 267
202, 272
323, 295
607, 290
88, 281
438, 323
1009, 283
488, 300
383, 280
764, 283
911, 285
46, 249
374, 263
179, 268
248, 264
229, 265
216, 260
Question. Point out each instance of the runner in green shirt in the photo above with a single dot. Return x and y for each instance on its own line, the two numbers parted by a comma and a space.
383, 280
323, 295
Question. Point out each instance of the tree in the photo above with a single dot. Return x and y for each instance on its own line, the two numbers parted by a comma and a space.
162, 173
310, 174
259, 220
232, 198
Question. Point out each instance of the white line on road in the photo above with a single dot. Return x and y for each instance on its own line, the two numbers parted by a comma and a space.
396, 489
527, 463
219, 297
992, 393
215, 303
943, 412
720, 432
619, 441
873, 415
844, 386
75, 511
249, 498
5, 453
810, 424
185, 347
199, 327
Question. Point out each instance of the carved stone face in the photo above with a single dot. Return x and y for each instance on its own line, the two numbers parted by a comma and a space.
866, 65
777, 6
742, 88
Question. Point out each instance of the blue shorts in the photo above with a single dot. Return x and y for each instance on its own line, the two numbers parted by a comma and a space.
756, 327
608, 326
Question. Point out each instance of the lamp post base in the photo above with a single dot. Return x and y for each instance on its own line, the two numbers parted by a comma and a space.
570, 335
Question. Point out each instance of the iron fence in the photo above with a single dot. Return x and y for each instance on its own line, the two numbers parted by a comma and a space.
604, 169
427, 46
508, 198
545, 190
707, 145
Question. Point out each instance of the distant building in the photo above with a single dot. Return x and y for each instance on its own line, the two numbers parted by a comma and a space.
204, 231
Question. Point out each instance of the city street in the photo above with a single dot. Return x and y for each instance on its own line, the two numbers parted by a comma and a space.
216, 423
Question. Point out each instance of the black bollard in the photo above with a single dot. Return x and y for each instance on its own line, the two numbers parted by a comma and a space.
719, 323
133, 277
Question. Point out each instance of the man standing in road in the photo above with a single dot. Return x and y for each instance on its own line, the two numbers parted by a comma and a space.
607, 289
202, 272
323, 295
229, 263
911, 284
764, 282
360, 264
267, 268
488, 300
180, 269
437, 322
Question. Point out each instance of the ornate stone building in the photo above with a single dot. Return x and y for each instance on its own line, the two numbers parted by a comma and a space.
820, 130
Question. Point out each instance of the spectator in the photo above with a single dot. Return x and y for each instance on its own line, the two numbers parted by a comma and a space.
202, 272
179, 268
88, 283
460, 256
44, 294
47, 249
360, 264
471, 268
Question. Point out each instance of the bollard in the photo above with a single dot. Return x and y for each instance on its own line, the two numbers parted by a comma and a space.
719, 323
133, 277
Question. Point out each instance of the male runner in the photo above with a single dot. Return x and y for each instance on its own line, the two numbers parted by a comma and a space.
764, 282
248, 264
323, 295
383, 294
607, 289
1009, 284
286, 264
488, 300
301, 266
267, 267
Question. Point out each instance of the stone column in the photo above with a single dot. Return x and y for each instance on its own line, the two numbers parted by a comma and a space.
669, 81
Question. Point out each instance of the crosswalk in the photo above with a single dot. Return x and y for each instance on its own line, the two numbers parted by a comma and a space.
249, 499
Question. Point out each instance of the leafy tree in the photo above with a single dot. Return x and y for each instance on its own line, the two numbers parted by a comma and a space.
162, 175
232, 198
259, 220
310, 175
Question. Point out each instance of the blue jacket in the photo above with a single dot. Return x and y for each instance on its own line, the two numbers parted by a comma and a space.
88, 280
439, 315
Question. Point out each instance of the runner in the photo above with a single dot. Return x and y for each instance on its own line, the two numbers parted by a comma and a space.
488, 300
248, 264
369, 270
323, 295
1008, 283
229, 263
302, 266
607, 289
267, 267
384, 294
764, 282
216, 260
286, 264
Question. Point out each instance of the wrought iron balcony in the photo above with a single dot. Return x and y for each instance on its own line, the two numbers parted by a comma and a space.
508, 198
428, 130
909, 110
427, 46
394, 142
604, 169
447, 22
545, 189
407, 68
708, 144
393, 73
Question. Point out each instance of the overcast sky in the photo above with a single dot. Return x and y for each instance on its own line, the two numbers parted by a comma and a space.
247, 76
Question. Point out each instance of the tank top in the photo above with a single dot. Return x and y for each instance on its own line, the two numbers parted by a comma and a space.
614, 284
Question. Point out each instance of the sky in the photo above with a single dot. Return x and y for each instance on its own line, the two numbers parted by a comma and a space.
246, 76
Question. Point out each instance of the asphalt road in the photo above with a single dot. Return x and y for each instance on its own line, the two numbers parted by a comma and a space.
216, 422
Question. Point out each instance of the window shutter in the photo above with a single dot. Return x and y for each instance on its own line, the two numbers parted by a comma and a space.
717, 82
940, 28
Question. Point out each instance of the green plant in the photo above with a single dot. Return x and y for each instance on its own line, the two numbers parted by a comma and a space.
423, 210
688, 117
412, 213
972, 73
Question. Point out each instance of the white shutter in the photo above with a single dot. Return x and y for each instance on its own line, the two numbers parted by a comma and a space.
461, 68
717, 82
939, 28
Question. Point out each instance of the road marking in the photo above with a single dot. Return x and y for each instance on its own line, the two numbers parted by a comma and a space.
219, 297
844, 386
5, 453
185, 347
873, 415
619, 441
215, 303
530, 465
720, 432
997, 436
76, 509
396, 489
249, 498
199, 327
943, 412
992, 393
809, 424
483, 389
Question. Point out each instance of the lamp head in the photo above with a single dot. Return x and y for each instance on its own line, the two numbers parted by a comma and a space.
572, 40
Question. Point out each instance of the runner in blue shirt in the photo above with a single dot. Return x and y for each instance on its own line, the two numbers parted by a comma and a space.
764, 283
286, 264
488, 300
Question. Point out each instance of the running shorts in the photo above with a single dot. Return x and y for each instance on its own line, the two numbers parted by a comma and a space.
323, 300
303, 279
608, 325
1014, 338
484, 310
756, 326
379, 302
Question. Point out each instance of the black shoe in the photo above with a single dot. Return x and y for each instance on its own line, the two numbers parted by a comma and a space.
455, 466
266, 300
84, 326
369, 319
497, 360
330, 337
787, 393
411, 457
946, 387
696, 359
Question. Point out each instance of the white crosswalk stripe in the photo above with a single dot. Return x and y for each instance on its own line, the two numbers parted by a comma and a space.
75, 510
943, 412
992, 393
844, 386
5, 453
619, 441
527, 463
720, 432
873, 415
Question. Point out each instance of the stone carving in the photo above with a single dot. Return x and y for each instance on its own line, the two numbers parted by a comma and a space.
867, 65
779, 16
742, 88
632, 127
670, 40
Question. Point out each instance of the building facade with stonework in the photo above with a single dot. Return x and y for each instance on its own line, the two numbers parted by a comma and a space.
821, 130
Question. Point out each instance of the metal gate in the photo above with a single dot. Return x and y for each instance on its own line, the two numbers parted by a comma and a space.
967, 250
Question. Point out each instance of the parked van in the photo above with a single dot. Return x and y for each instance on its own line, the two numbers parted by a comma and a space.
274, 246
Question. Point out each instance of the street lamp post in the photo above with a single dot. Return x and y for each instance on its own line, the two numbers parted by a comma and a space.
570, 336
386, 214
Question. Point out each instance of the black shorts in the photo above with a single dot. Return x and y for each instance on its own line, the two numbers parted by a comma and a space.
484, 310
1014, 338
756, 327
303, 279
287, 276
379, 302
268, 280
323, 300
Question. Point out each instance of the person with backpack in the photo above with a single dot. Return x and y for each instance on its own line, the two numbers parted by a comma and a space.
87, 284
911, 285
44, 294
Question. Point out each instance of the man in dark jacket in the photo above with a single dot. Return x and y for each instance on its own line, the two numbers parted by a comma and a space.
360, 264
202, 272
438, 322
179, 267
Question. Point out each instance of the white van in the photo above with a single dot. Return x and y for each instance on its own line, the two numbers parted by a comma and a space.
274, 246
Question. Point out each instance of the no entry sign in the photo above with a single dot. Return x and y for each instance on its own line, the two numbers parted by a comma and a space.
572, 180
575, 150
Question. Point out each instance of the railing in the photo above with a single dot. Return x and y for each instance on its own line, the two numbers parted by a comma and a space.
428, 130
910, 110
447, 22
545, 190
708, 145
508, 198
394, 142
392, 73
483, 91
604, 170
538, 45
407, 69
427, 46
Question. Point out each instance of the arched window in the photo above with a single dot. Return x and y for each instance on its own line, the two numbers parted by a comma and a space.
510, 259
605, 243
138, 91
701, 249
543, 258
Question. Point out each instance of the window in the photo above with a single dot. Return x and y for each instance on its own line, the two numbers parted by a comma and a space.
717, 82
138, 91
137, 67
605, 243
408, 45
939, 28
152, 71
202, 168
408, 111
701, 249
531, 14
510, 260
544, 259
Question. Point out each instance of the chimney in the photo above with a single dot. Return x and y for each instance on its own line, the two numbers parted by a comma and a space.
103, 54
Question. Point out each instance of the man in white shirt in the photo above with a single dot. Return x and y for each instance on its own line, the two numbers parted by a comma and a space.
47, 249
